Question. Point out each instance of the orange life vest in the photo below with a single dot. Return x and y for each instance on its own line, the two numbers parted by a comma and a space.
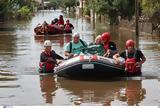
130, 64
67, 27
46, 66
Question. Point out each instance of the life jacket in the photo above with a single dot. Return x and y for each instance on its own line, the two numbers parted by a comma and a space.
67, 27
106, 46
46, 67
110, 45
60, 22
130, 66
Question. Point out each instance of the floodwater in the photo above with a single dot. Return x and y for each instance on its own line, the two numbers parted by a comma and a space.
20, 83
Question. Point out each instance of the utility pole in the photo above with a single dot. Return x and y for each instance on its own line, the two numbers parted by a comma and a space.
137, 22
82, 8
82, 15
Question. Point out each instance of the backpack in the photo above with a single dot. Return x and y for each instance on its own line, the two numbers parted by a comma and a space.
70, 44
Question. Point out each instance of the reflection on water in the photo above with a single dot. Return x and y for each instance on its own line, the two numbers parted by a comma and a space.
20, 83
128, 92
59, 39
133, 93
48, 86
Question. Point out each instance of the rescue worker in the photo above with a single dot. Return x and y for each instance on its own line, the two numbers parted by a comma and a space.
61, 21
109, 46
49, 58
134, 58
68, 27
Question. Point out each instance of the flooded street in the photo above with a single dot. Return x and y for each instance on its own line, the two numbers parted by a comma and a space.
21, 84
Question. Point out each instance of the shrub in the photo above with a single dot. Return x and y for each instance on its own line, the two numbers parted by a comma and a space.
24, 12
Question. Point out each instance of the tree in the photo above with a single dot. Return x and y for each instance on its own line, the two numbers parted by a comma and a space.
10, 7
150, 6
151, 9
70, 3
7, 7
55, 3
109, 8
113, 8
89, 4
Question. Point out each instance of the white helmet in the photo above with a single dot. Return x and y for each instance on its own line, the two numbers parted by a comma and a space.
75, 35
47, 43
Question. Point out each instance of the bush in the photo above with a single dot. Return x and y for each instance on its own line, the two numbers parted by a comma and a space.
24, 12
86, 11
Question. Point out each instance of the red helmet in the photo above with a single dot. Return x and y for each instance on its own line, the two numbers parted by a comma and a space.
67, 20
106, 36
60, 16
130, 42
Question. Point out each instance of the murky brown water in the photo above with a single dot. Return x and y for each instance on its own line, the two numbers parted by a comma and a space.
20, 83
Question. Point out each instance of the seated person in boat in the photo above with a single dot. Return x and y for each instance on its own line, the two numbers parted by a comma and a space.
37, 29
75, 47
48, 58
53, 28
96, 47
134, 58
55, 21
41, 29
109, 46
45, 27
68, 27
61, 21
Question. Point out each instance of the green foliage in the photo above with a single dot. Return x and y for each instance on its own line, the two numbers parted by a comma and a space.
11, 7
86, 11
150, 6
55, 3
24, 12
113, 8
63, 3
126, 9
110, 8
70, 3
89, 4
6, 6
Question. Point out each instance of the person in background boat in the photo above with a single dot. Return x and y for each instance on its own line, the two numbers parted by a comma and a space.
61, 21
44, 29
134, 58
41, 29
109, 46
68, 27
55, 21
37, 29
53, 28
49, 58
75, 47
